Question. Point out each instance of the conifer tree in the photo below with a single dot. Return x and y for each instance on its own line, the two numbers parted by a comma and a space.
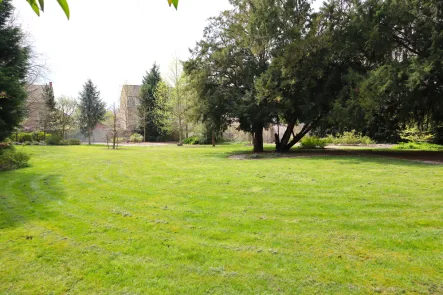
14, 58
48, 113
92, 109
147, 104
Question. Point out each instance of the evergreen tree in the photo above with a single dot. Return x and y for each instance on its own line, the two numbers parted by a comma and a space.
148, 104
14, 59
92, 109
48, 113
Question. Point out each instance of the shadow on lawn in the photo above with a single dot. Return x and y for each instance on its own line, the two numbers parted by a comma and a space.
26, 196
348, 156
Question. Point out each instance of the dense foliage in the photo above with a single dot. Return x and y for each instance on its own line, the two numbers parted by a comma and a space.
148, 106
373, 66
14, 58
11, 159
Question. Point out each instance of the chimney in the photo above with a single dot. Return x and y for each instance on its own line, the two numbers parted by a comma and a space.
50, 84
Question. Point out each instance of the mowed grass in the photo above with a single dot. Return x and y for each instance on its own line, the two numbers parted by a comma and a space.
171, 220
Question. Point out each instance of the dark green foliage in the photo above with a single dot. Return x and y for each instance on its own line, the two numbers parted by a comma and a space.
11, 159
48, 116
23, 137
54, 140
57, 139
14, 59
148, 104
29, 136
225, 65
92, 109
401, 46
193, 140
312, 142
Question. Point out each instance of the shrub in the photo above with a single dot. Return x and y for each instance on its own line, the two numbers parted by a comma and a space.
419, 146
54, 140
40, 136
416, 135
27, 143
350, 138
11, 159
136, 138
193, 140
23, 137
73, 141
312, 142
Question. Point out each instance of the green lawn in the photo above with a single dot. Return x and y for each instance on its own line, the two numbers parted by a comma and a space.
171, 220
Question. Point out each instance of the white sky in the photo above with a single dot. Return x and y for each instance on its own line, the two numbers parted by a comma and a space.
113, 42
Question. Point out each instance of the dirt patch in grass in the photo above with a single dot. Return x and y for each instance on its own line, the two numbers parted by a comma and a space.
427, 157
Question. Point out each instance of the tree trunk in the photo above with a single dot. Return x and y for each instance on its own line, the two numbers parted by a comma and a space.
305, 130
179, 130
213, 138
258, 139
144, 133
280, 145
186, 129
89, 136
44, 135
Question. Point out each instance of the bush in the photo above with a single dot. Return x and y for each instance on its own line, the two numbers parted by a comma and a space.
73, 141
312, 142
350, 138
27, 143
11, 159
40, 136
136, 138
193, 140
23, 137
54, 140
419, 146
30, 136
416, 135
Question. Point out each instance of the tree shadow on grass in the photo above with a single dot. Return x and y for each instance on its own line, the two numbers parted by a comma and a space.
25, 196
354, 156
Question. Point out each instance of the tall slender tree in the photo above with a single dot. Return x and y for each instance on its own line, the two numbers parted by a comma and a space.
148, 103
48, 113
14, 62
92, 109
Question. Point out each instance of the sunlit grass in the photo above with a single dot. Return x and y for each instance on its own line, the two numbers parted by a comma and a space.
171, 220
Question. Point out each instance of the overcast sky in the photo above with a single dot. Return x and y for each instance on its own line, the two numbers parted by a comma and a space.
113, 42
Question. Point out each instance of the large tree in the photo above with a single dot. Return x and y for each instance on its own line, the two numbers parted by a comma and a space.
233, 54
309, 68
92, 109
14, 59
148, 104
400, 46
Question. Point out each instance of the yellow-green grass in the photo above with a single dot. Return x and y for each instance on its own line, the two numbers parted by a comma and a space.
189, 220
